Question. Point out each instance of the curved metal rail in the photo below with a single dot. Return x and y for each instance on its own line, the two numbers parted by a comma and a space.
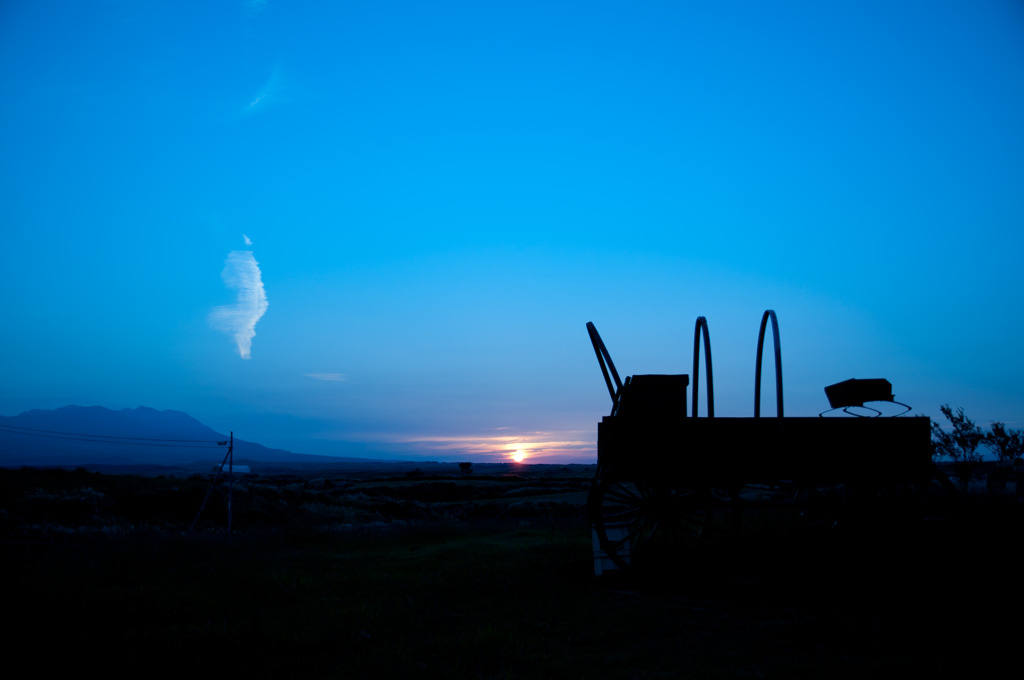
702, 326
768, 314
856, 393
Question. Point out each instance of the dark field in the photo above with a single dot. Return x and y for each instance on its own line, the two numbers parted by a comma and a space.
488, 575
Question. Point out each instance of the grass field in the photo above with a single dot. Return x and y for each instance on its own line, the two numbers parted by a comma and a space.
462, 578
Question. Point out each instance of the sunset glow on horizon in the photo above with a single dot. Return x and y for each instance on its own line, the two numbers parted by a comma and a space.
536, 447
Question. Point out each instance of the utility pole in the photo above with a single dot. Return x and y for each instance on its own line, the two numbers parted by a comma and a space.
229, 458
231, 476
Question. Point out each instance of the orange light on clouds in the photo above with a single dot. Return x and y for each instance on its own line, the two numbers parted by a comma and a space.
538, 447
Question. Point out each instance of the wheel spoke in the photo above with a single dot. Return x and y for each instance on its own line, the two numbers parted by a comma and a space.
623, 494
622, 516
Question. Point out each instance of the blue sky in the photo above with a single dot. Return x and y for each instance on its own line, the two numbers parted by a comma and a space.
440, 195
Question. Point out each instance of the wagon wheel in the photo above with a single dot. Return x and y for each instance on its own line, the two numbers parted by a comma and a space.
646, 522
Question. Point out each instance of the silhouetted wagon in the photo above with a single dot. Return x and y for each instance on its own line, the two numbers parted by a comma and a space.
667, 481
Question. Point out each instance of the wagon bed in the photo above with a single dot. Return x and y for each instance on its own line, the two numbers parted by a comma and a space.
724, 451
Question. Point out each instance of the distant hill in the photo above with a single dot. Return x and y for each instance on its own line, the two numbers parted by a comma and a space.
94, 435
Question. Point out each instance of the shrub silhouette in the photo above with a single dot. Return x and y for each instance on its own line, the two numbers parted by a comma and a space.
960, 444
1006, 444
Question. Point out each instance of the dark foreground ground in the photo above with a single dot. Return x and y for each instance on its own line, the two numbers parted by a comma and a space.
477, 576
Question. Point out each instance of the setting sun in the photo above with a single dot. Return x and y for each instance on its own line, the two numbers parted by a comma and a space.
518, 455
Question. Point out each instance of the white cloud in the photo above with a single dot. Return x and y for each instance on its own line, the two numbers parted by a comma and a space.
248, 241
333, 377
241, 272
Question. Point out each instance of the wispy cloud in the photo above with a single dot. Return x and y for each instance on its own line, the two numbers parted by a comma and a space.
242, 273
248, 241
331, 377
270, 94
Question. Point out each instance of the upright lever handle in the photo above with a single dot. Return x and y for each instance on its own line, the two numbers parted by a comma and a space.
605, 360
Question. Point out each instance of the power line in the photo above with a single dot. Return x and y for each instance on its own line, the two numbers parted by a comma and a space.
112, 439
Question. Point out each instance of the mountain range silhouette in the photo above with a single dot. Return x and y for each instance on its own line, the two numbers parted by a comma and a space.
95, 435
